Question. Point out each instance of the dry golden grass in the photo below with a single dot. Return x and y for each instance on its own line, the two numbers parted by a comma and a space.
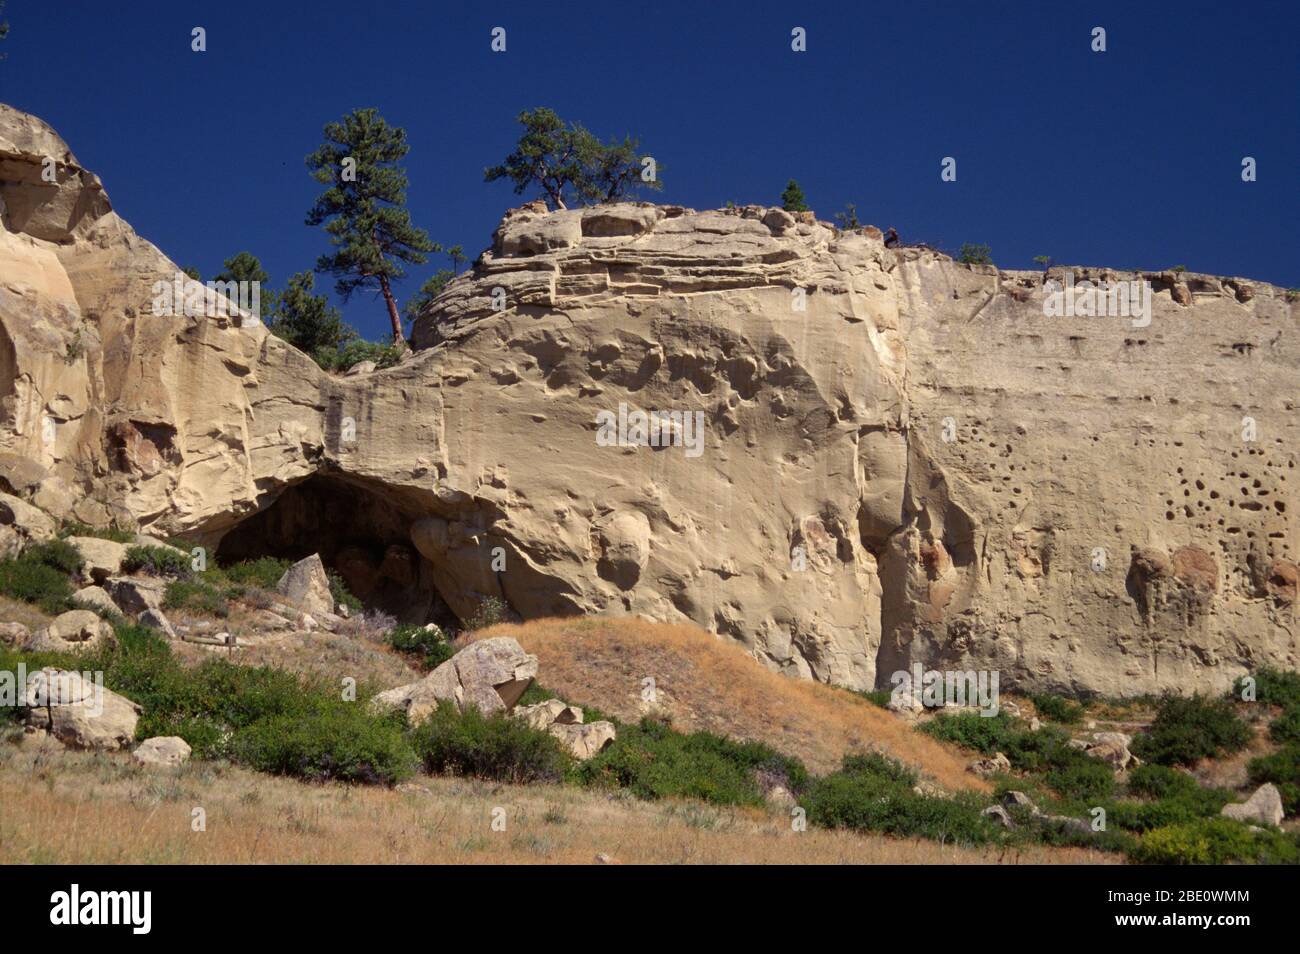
79, 808
702, 682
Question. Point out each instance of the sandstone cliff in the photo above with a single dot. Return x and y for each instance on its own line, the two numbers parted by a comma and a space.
901, 459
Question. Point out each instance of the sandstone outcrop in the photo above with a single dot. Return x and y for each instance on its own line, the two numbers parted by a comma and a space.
1264, 807
582, 739
846, 457
306, 585
489, 675
78, 712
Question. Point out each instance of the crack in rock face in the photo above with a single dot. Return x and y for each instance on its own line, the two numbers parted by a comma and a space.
848, 458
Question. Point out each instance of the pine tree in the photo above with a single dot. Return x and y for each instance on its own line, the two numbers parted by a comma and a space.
566, 161
364, 207
308, 321
246, 267
792, 199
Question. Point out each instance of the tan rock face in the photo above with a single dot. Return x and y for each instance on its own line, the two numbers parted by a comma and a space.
845, 457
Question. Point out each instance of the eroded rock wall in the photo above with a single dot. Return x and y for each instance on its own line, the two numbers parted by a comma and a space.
899, 458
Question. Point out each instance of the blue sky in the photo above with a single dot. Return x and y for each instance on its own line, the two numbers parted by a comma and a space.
1127, 158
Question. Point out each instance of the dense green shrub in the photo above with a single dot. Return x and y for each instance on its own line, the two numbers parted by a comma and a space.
34, 582
1159, 781
196, 594
157, 561
429, 644
340, 593
337, 742
875, 794
1282, 768
495, 747
1215, 841
1056, 708
490, 612
57, 554
1286, 727
986, 734
1273, 687
1188, 728
264, 572
653, 761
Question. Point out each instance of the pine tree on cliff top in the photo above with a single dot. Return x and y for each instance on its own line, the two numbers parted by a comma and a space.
792, 199
364, 208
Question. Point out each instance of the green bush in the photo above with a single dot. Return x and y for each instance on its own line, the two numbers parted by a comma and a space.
1273, 687
1282, 768
1170, 797
490, 612
339, 742
875, 794
1159, 781
1215, 841
1188, 728
495, 747
196, 594
986, 734
57, 554
156, 561
430, 645
35, 582
1056, 708
653, 761
264, 572
101, 533
340, 593
877, 697
1286, 727
971, 254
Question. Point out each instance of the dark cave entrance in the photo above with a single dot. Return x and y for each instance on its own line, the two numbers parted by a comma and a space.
360, 530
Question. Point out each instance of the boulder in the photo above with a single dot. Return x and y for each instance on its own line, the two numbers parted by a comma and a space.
1115, 754
30, 524
585, 740
361, 367
156, 619
78, 712
75, 629
548, 713
1264, 807
164, 750
986, 767
103, 557
134, 595
1014, 799
999, 815
96, 597
489, 675
14, 634
307, 585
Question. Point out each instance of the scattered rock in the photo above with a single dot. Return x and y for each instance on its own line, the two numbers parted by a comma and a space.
75, 629
96, 597
133, 595
987, 767
79, 713
168, 750
548, 713
1015, 799
103, 557
585, 741
307, 585
361, 367
1265, 806
1114, 754
31, 524
489, 675
604, 859
1000, 815
14, 634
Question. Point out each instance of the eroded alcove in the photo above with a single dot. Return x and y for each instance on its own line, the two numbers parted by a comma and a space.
361, 529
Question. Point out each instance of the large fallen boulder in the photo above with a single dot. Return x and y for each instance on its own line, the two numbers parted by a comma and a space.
489, 675
307, 586
21, 524
79, 712
75, 629
565, 723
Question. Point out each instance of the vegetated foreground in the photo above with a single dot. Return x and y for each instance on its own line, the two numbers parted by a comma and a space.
62, 807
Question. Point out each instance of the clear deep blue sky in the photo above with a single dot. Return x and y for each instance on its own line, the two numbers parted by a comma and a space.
1127, 158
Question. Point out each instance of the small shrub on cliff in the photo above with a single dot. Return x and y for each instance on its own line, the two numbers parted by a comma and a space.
971, 254
341, 594
495, 747
428, 643
653, 761
156, 561
1188, 728
490, 612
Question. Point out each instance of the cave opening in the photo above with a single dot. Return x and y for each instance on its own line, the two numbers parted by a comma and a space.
361, 531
